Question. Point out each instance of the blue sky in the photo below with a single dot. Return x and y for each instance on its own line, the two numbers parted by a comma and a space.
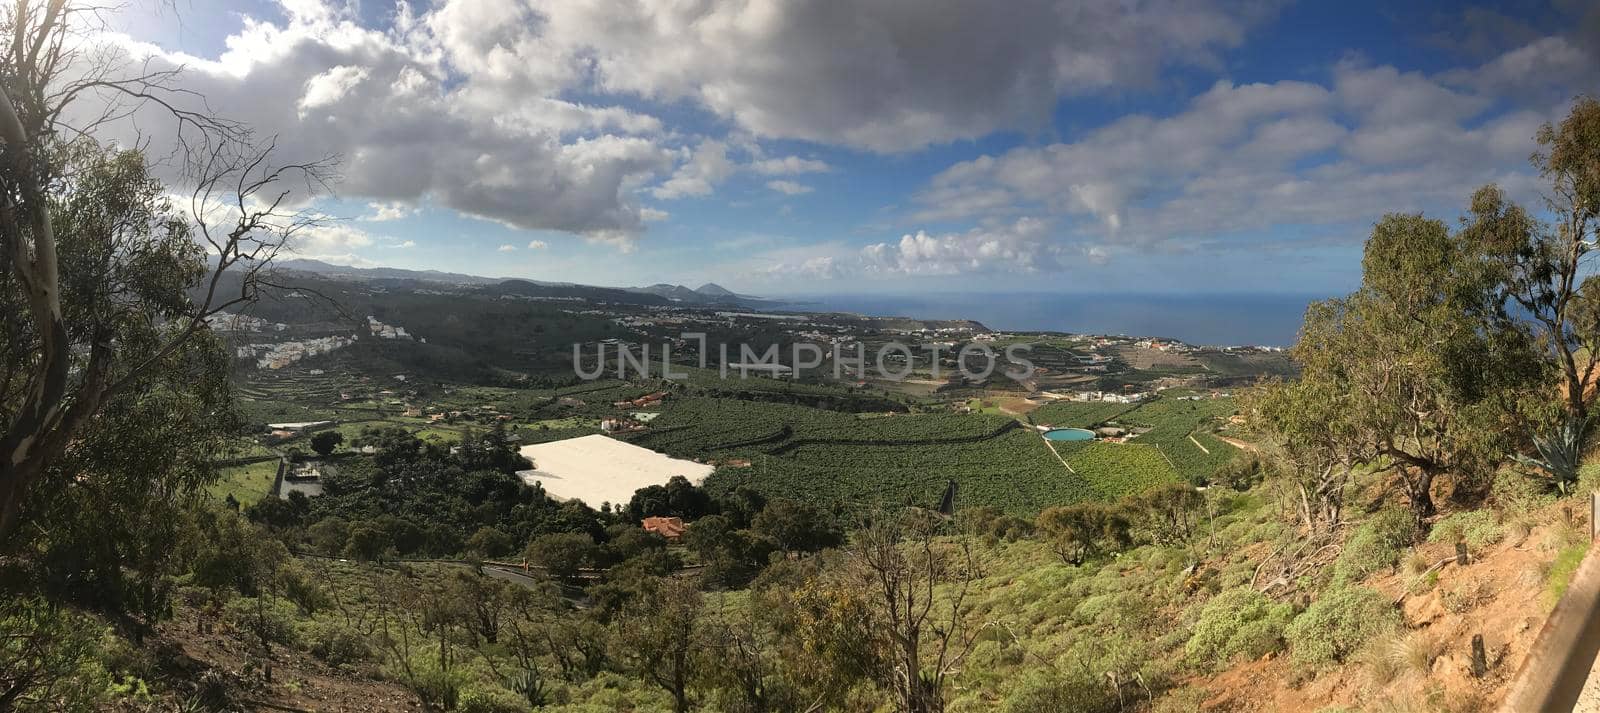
805, 146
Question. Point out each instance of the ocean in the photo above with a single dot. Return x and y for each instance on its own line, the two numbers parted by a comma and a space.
1202, 319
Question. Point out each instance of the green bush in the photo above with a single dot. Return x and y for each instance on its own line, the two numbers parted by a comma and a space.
1237, 622
1075, 690
1516, 493
336, 643
438, 688
1477, 528
1338, 623
271, 620
1588, 478
1375, 545
491, 700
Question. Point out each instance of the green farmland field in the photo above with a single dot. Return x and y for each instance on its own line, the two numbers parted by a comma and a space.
246, 483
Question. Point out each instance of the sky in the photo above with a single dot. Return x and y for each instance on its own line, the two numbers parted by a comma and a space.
794, 147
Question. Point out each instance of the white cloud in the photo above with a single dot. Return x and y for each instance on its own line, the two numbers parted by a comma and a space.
707, 167
407, 244
413, 120
1023, 246
875, 75
333, 242
1241, 160
388, 210
821, 267
789, 187
653, 215
507, 248
789, 165
328, 87
537, 245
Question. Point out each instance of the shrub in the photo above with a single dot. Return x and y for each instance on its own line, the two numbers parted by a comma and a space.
1238, 621
1244, 472
1375, 545
438, 688
1588, 478
336, 643
271, 621
1516, 492
1477, 528
491, 700
1183, 700
1337, 624
1076, 690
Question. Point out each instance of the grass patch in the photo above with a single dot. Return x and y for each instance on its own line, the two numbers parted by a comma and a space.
1338, 624
1376, 545
246, 483
1561, 570
1477, 528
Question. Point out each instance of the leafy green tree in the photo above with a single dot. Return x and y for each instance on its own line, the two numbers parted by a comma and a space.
678, 498
732, 557
48, 658
406, 536
1080, 532
661, 638
1405, 371
830, 637
491, 450
369, 542
280, 513
1545, 292
796, 526
100, 265
490, 542
561, 554
324, 442
625, 541
1170, 514
328, 535
394, 446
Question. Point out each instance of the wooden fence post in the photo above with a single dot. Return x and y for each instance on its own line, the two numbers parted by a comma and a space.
1594, 515
1480, 657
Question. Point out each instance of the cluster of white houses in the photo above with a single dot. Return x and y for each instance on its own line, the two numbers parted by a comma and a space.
1111, 397
385, 331
282, 354
224, 321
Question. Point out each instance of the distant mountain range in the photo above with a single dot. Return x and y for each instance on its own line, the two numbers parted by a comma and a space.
365, 274
707, 295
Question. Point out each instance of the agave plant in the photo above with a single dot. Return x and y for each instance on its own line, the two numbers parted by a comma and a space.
1560, 453
530, 686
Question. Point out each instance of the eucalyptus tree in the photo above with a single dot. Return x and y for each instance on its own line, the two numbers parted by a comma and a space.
106, 282
1544, 290
1403, 373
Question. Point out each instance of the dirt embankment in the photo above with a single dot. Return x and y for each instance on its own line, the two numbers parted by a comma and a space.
300, 682
1500, 595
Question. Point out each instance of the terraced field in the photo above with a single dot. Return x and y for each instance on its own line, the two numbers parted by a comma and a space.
1079, 414
1118, 469
829, 456
1173, 421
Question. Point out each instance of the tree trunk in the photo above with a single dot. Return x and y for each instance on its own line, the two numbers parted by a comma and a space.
1421, 495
